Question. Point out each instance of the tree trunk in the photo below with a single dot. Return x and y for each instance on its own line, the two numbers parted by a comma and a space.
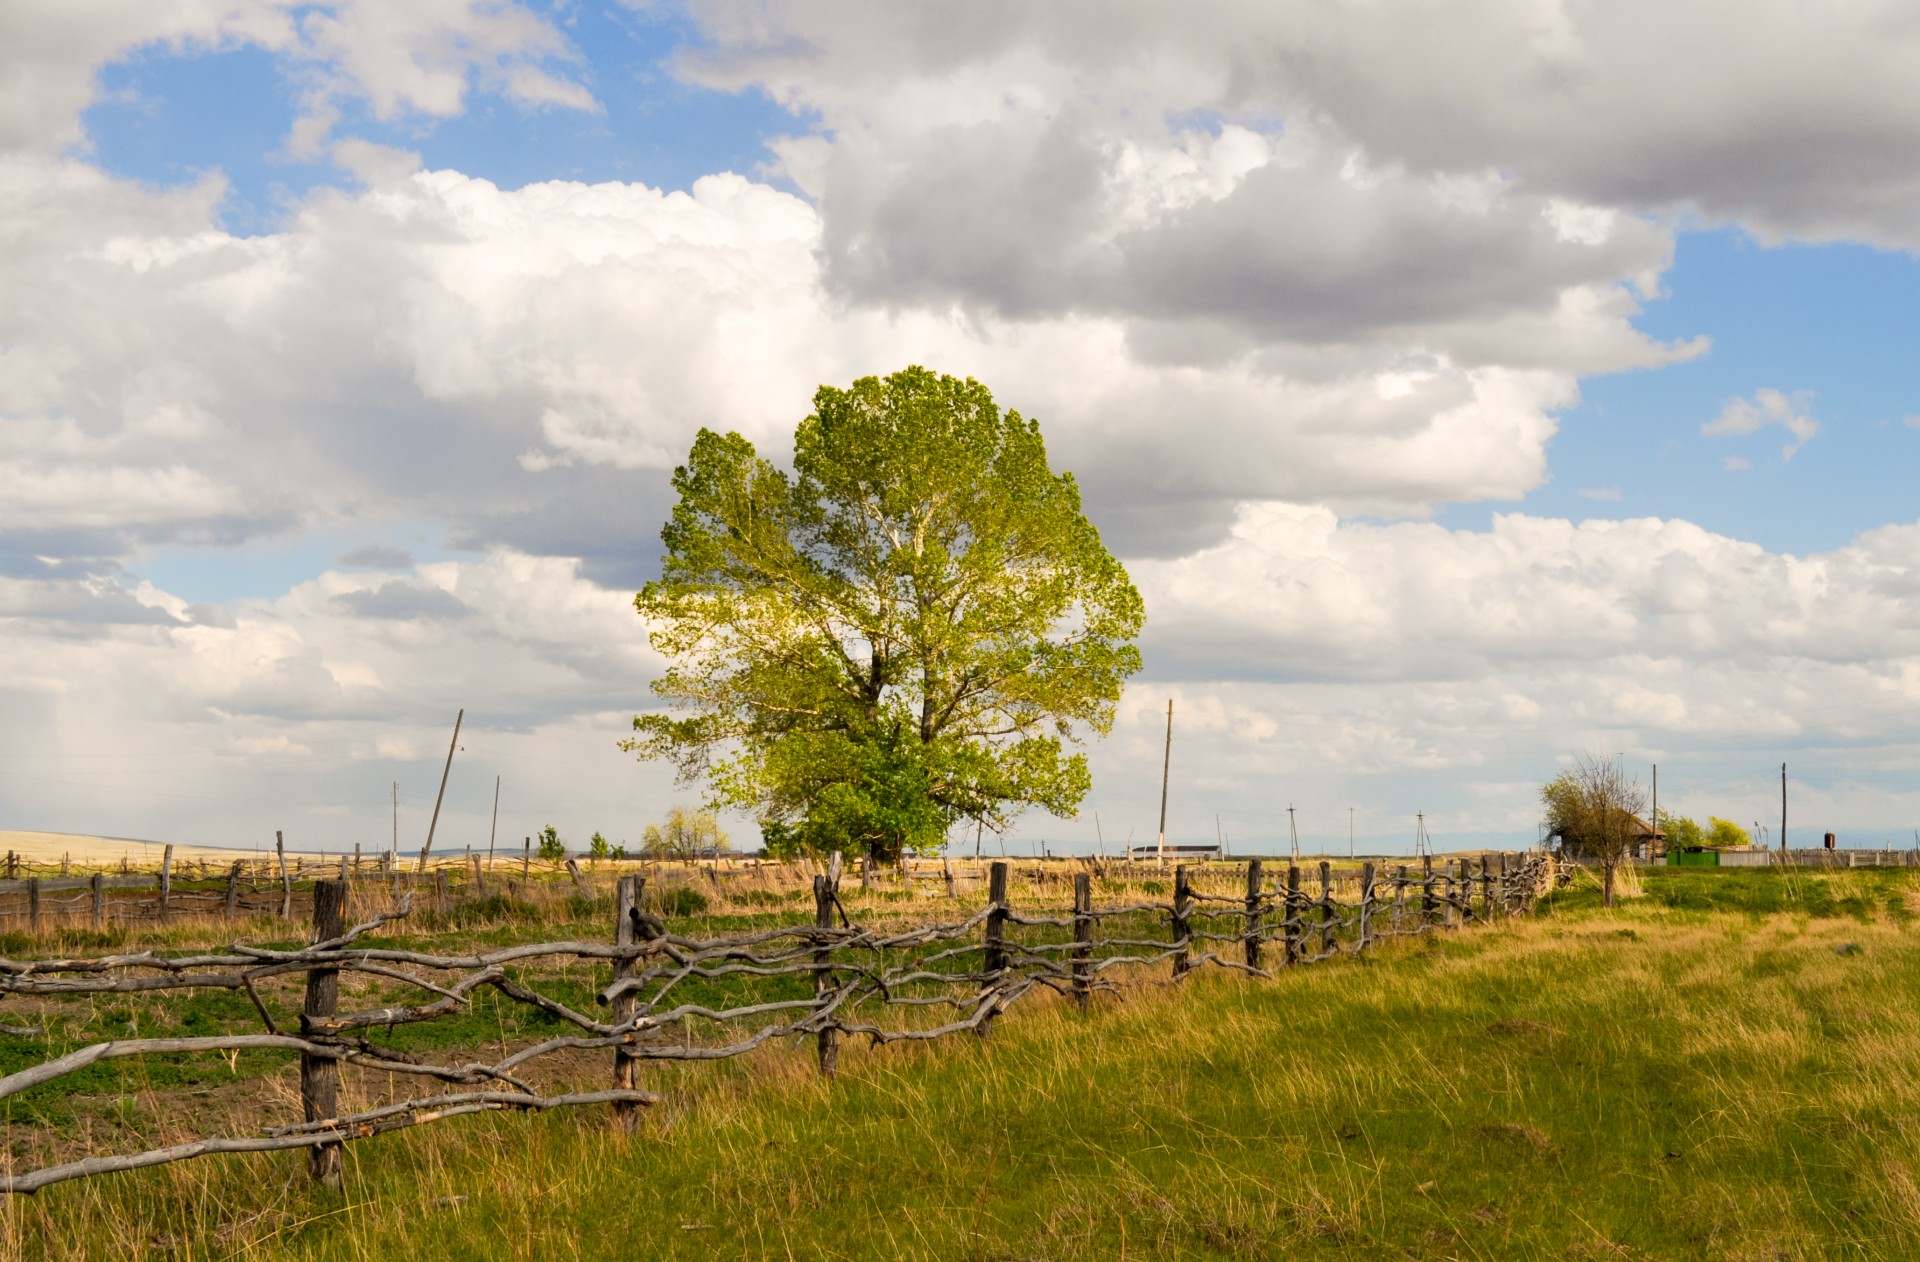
1609, 869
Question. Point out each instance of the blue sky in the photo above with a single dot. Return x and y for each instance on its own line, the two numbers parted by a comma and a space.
169, 115
1835, 321
1280, 292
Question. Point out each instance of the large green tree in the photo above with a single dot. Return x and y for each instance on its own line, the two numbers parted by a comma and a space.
903, 633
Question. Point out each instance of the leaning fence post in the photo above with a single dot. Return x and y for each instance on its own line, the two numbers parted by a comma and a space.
1290, 923
829, 1037
1082, 937
97, 885
33, 903
993, 960
626, 903
1426, 891
1250, 924
1366, 908
1329, 942
319, 1076
479, 878
166, 885
286, 882
1182, 930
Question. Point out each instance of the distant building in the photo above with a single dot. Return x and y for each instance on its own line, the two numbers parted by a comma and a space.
1648, 842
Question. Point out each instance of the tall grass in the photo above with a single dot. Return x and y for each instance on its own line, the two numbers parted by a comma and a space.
1667, 1080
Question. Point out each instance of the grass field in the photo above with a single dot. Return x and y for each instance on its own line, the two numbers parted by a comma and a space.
1725, 1067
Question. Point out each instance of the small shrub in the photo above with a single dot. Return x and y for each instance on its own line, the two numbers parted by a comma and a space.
492, 908
682, 900
580, 907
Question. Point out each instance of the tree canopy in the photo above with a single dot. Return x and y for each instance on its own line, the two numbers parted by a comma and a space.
685, 835
1592, 807
902, 633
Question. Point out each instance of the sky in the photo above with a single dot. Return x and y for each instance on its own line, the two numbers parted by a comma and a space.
1466, 387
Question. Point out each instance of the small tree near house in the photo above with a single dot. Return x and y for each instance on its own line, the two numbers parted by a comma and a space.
1593, 809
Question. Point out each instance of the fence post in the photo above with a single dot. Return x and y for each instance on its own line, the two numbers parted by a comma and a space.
33, 903
1427, 907
166, 885
1250, 924
626, 901
829, 1038
286, 882
320, 1077
1182, 930
441, 892
1486, 888
1329, 931
993, 960
479, 878
1366, 908
1082, 937
97, 885
233, 889
1290, 924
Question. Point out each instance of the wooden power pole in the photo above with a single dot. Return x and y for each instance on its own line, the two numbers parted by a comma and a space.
1166, 766
439, 797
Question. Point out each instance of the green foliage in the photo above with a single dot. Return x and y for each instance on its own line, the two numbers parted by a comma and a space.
1723, 834
902, 634
681, 900
597, 847
685, 834
551, 849
1682, 833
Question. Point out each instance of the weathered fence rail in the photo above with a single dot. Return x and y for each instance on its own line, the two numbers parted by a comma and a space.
669, 997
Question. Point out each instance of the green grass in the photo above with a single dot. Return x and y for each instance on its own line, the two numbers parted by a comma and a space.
1727, 1067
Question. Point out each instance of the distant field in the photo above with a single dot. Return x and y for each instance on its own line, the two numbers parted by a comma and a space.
86, 850
1725, 1067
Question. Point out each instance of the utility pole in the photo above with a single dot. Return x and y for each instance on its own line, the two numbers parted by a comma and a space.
1166, 767
1419, 832
1293, 833
438, 798
1349, 832
395, 852
1783, 812
1655, 821
495, 826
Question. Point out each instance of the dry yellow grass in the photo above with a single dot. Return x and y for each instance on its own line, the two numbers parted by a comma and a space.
1654, 1082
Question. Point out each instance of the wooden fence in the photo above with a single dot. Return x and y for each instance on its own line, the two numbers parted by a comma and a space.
676, 998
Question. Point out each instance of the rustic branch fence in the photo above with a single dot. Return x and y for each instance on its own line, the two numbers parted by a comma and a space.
677, 998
